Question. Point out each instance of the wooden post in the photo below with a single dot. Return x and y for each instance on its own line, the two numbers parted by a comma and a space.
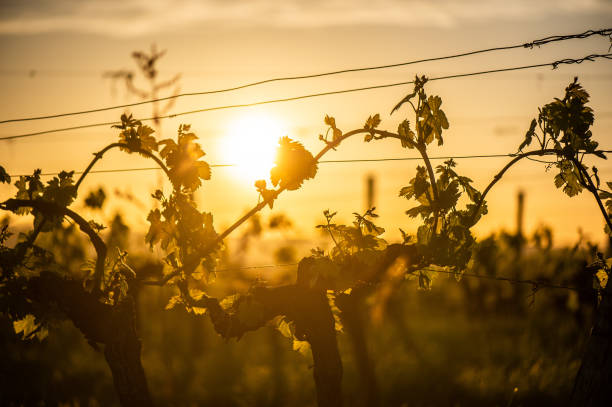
519, 213
593, 384
518, 292
370, 192
353, 319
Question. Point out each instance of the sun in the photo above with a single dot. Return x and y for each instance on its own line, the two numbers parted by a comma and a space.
250, 144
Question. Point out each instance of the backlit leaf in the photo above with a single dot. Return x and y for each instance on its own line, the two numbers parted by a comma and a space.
294, 164
4, 177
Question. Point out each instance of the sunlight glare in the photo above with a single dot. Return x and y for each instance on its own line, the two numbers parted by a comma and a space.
250, 143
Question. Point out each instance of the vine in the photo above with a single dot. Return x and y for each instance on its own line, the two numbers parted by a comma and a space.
330, 287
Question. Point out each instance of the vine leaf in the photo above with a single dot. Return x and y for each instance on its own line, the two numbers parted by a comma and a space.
173, 302
287, 329
434, 120
182, 160
294, 164
184, 233
419, 189
28, 187
447, 198
29, 328
607, 196
136, 135
371, 123
159, 231
96, 226
418, 85
568, 178
266, 194
336, 132
59, 190
529, 135
4, 177
95, 199
406, 134
330, 121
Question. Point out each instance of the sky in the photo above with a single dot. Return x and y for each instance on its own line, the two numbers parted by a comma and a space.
54, 54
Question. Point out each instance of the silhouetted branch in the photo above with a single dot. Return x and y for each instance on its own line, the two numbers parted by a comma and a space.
50, 208
101, 153
113, 326
592, 189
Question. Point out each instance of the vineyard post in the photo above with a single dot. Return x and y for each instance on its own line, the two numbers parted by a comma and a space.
354, 317
593, 384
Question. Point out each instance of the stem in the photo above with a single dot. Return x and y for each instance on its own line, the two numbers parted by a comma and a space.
593, 190
332, 236
122, 354
500, 174
101, 153
329, 146
31, 239
432, 177
163, 281
50, 208
314, 322
113, 326
432, 180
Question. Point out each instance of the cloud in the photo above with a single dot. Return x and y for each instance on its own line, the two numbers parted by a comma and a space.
125, 18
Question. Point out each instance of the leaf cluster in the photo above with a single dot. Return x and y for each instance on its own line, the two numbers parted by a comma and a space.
371, 124
430, 118
293, 165
182, 231
362, 235
357, 248
60, 190
136, 136
186, 235
116, 279
182, 158
564, 126
336, 133
445, 234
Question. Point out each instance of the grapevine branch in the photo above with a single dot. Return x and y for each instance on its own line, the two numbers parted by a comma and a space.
329, 146
50, 208
274, 194
592, 189
113, 326
267, 200
501, 173
100, 154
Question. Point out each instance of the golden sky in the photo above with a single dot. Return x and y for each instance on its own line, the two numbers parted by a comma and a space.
54, 54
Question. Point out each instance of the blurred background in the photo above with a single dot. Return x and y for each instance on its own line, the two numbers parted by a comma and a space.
473, 342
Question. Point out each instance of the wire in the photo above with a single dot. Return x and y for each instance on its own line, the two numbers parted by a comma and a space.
358, 160
604, 32
536, 284
554, 64
263, 266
